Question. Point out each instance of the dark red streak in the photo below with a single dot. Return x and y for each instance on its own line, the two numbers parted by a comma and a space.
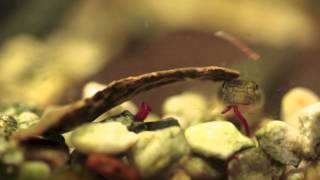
240, 117
228, 108
143, 112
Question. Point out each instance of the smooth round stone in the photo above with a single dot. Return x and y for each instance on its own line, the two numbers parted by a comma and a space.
219, 139
109, 138
158, 150
295, 100
282, 142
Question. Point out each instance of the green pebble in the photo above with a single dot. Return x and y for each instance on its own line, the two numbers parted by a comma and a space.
158, 150
254, 164
34, 170
8, 124
13, 156
27, 119
217, 139
282, 142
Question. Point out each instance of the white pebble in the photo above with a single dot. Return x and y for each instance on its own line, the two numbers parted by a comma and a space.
109, 138
190, 107
296, 99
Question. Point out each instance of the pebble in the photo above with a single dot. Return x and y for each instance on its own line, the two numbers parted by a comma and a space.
190, 107
158, 150
282, 142
34, 170
253, 164
296, 99
27, 119
308, 125
218, 139
8, 125
200, 168
180, 175
12, 156
109, 138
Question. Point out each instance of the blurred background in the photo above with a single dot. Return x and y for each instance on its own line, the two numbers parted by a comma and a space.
50, 49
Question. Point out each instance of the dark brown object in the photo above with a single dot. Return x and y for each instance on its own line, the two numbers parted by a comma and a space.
68, 117
53, 152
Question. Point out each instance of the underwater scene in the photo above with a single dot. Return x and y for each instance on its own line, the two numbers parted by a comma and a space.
159, 90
